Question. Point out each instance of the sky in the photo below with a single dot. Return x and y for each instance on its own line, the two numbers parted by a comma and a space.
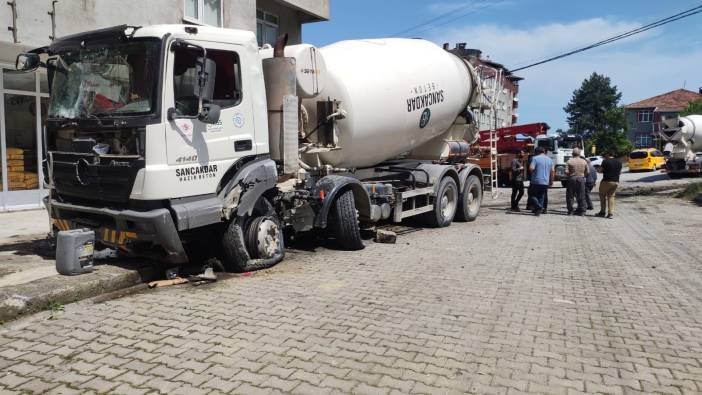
519, 32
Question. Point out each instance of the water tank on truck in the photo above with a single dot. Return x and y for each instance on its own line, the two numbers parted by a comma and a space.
387, 97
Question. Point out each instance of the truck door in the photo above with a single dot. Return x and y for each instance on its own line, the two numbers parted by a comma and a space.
192, 142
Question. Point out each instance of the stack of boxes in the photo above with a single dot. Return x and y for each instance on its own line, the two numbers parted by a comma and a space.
18, 160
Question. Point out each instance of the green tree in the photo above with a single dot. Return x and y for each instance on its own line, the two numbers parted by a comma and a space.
590, 103
612, 136
694, 107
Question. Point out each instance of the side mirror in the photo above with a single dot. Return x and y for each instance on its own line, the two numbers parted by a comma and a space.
27, 62
210, 113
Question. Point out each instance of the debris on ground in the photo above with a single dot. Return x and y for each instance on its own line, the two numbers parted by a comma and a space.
385, 236
166, 283
692, 192
208, 276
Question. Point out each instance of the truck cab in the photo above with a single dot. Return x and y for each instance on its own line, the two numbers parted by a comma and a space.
560, 150
144, 128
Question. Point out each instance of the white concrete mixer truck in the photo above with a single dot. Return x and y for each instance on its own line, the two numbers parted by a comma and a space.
685, 136
164, 137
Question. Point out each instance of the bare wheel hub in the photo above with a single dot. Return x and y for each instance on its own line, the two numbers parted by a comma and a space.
264, 238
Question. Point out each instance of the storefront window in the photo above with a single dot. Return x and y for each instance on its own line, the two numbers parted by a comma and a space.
21, 142
43, 83
21, 120
19, 81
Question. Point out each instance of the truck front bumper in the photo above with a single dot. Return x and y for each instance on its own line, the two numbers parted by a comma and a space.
560, 173
151, 234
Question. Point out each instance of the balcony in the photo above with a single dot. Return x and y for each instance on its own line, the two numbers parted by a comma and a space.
312, 10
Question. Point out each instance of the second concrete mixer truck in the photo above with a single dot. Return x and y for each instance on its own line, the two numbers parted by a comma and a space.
163, 137
685, 135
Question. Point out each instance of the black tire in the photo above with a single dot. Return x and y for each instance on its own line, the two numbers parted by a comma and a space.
344, 222
564, 184
674, 176
444, 210
241, 245
470, 199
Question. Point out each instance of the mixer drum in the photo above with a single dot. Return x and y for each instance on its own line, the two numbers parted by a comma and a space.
397, 95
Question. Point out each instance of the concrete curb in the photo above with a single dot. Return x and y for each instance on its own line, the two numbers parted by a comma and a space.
42, 294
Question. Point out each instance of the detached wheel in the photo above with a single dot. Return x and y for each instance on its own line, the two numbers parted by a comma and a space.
470, 199
253, 242
344, 222
445, 204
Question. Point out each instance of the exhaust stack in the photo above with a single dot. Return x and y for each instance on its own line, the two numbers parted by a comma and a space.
281, 94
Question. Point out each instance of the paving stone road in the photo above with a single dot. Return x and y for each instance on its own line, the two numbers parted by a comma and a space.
508, 304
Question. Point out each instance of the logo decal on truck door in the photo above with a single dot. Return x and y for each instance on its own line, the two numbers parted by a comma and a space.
239, 120
424, 119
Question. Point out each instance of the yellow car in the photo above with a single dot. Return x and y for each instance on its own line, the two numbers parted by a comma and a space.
646, 159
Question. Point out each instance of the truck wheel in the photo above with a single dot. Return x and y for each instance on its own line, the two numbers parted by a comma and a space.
564, 184
445, 204
253, 242
344, 222
470, 200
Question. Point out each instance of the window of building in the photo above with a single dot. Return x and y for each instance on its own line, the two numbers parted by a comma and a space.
223, 66
643, 141
203, 12
645, 116
266, 28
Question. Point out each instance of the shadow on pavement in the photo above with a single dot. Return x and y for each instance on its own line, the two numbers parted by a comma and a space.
652, 178
38, 247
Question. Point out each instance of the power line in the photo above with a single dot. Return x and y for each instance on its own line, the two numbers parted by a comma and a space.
461, 8
652, 25
404, 32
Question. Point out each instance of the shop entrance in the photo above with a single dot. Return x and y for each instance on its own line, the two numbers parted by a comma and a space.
23, 104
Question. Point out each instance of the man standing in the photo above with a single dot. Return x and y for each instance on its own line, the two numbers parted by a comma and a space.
517, 180
611, 169
542, 173
590, 182
576, 170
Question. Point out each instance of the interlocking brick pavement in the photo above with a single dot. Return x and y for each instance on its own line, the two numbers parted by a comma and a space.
508, 304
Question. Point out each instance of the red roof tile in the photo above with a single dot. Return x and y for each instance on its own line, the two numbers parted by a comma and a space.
676, 100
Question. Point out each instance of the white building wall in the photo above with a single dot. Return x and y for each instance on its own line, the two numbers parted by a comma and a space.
74, 16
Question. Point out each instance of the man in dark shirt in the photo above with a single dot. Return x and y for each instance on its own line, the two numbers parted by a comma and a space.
611, 169
517, 180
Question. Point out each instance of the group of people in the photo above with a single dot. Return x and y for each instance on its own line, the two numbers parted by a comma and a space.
581, 180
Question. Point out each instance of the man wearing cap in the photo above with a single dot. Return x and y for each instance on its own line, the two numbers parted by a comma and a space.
576, 170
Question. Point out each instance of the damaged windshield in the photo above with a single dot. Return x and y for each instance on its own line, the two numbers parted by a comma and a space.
107, 80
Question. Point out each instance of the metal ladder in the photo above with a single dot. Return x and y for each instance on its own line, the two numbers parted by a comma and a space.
494, 186
490, 180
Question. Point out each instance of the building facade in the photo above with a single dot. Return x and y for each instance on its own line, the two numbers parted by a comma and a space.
500, 86
28, 24
644, 117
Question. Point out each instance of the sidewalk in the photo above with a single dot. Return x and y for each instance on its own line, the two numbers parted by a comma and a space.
28, 278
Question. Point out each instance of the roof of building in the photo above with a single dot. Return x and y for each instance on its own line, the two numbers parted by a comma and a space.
676, 100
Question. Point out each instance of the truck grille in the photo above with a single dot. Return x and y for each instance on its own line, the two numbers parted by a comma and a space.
88, 177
